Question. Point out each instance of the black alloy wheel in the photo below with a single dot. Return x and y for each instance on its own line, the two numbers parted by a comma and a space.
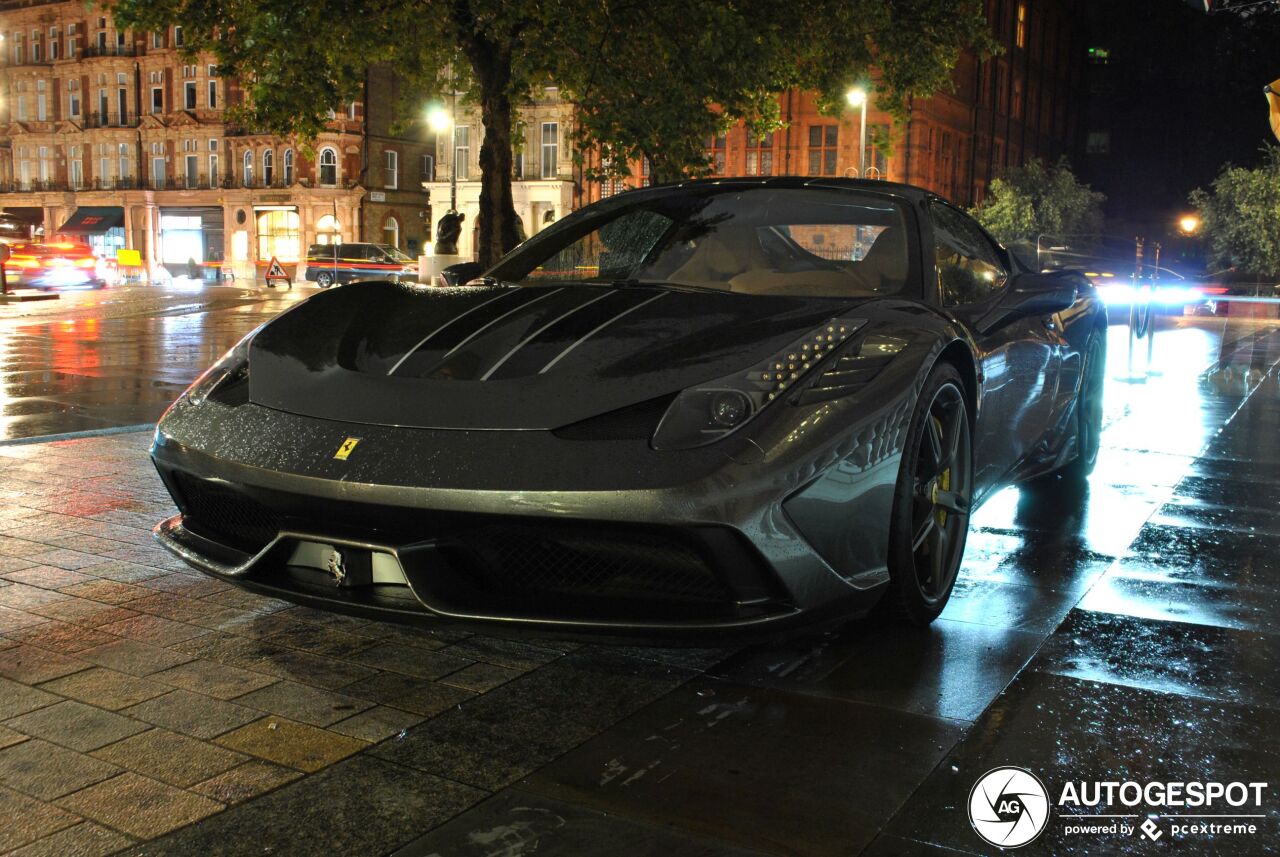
932, 502
324, 279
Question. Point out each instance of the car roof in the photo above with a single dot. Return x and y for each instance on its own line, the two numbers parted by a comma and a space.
910, 192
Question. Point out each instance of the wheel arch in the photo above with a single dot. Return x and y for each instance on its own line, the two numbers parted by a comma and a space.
960, 355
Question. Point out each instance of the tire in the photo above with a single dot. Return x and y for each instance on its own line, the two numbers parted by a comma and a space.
324, 279
931, 503
1089, 411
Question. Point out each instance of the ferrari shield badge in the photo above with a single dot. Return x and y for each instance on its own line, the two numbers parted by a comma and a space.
347, 447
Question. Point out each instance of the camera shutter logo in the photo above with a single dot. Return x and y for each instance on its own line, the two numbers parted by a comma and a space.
1008, 807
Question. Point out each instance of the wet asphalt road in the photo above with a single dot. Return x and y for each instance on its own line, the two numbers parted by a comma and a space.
1127, 632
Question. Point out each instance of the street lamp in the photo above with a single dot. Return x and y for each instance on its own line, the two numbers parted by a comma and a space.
440, 120
857, 97
1189, 224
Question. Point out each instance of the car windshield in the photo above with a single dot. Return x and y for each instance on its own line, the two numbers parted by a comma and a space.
393, 253
765, 240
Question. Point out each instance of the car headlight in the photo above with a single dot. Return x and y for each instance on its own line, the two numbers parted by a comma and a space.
233, 365
712, 411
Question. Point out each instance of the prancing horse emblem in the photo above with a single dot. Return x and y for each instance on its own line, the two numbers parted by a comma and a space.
335, 566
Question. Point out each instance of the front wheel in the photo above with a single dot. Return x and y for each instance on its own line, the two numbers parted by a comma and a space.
1089, 410
932, 501
324, 279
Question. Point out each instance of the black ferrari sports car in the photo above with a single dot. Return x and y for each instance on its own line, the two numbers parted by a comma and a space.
733, 404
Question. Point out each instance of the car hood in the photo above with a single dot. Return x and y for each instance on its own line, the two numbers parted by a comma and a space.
512, 357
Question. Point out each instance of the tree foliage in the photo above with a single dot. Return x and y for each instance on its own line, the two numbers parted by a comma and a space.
1038, 199
1240, 216
653, 78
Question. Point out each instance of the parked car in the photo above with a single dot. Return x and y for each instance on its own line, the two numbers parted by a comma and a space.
348, 263
701, 408
60, 265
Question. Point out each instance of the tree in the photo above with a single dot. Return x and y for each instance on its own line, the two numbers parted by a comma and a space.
653, 78
1033, 200
657, 79
1240, 216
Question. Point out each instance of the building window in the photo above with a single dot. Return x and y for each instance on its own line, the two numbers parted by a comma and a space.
43, 155
214, 178
1098, 143
328, 230
352, 111
101, 40
190, 93
328, 167
461, 151
157, 40
716, 154
35, 46
42, 102
193, 171
391, 169
122, 154
278, 235
72, 40
22, 108
268, 166
120, 42
213, 94
53, 43
76, 168
1020, 27
246, 174
288, 167
157, 99
759, 154
177, 37
822, 149
550, 149
428, 168
391, 231
73, 99
1017, 99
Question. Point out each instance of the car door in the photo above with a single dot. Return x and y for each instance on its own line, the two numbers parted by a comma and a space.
1020, 357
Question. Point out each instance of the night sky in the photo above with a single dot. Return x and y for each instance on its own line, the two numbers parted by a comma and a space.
1181, 96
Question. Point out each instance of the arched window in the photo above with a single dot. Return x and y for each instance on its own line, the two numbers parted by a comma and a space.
328, 230
247, 175
328, 167
391, 231
268, 166
288, 167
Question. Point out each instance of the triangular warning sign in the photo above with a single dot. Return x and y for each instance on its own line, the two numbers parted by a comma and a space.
275, 271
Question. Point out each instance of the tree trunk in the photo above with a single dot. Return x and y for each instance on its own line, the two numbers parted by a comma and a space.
492, 67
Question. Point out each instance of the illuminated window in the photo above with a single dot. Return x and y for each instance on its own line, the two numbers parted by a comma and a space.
1020, 34
759, 154
715, 154
822, 149
278, 235
328, 167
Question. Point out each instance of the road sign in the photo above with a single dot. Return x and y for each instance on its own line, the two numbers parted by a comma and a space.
275, 271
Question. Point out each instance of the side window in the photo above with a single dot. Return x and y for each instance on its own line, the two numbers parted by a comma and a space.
969, 269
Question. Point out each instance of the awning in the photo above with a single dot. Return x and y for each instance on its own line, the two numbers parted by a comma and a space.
93, 220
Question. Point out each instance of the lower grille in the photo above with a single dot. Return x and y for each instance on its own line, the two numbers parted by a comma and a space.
225, 515
588, 562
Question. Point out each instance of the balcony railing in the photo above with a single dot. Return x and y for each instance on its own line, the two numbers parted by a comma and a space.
109, 51
110, 120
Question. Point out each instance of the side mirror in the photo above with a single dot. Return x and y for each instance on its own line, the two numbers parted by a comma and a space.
461, 273
1034, 294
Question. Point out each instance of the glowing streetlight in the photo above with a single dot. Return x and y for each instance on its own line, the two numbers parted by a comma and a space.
1189, 224
857, 97
438, 119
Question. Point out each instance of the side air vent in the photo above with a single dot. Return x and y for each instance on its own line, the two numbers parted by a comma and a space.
851, 372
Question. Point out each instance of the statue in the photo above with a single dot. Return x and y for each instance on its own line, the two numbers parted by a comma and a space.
447, 231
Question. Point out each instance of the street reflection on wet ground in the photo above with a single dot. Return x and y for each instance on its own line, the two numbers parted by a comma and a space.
1123, 631
117, 357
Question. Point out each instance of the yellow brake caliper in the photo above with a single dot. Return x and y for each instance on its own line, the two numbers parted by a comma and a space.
943, 481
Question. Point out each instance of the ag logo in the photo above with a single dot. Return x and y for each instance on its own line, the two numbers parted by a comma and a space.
1008, 807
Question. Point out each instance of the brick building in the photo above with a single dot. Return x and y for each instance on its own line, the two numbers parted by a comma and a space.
114, 136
